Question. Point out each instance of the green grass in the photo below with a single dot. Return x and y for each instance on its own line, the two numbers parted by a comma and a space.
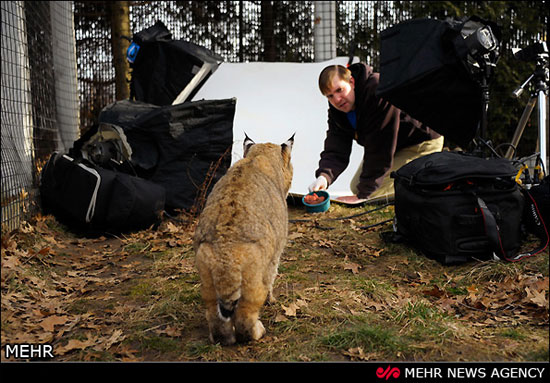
512, 334
373, 287
371, 338
160, 343
202, 350
418, 312
79, 306
457, 290
144, 289
539, 354
136, 247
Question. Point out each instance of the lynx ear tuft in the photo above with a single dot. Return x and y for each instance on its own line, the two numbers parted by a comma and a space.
288, 144
247, 145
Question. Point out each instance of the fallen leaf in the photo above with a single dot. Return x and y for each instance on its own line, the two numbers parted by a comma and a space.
435, 292
171, 228
75, 344
425, 279
472, 293
44, 251
354, 267
377, 306
10, 262
357, 353
324, 243
446, 304
295, 235
290, 311
116, 337
537, 297
49, 323
170, 331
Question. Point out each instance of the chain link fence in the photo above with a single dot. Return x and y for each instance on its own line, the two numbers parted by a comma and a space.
38, 98
238, 31
58, 71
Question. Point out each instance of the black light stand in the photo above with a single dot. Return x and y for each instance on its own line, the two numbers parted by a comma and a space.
480, 141
483, 56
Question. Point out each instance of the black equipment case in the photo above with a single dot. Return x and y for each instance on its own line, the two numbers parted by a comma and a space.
186, 148
456, 207
88, 197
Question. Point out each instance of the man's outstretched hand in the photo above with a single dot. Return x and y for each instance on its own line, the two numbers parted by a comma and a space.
320, 183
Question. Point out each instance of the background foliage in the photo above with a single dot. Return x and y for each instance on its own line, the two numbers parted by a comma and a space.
282, 31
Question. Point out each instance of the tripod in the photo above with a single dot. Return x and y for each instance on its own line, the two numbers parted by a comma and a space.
539, 85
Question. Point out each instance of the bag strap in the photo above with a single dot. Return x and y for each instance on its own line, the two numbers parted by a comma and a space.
491, 227
541, 228
493, 232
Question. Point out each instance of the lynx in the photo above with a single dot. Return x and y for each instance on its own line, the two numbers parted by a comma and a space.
239, 238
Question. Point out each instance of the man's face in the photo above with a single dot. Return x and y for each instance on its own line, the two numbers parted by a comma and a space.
341, 94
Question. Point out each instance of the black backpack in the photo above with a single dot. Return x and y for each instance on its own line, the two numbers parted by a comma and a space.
455, 207
163, 67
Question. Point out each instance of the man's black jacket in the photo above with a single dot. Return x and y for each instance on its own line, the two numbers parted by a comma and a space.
382, 129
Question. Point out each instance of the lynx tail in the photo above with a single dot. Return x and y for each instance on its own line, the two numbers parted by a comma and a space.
226, 309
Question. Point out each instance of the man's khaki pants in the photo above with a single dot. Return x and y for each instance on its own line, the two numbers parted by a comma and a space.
402, 157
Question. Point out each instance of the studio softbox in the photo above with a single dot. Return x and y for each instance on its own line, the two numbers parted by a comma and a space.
167, 71
426, 70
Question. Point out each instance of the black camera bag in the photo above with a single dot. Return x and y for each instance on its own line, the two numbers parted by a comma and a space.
455, 207
88, 197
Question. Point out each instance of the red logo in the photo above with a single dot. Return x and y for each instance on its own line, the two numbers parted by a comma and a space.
388, 372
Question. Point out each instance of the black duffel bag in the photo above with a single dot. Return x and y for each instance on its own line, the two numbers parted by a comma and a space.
87, 197
456, 207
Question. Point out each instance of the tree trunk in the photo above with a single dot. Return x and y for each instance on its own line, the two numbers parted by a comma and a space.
241, 32
120, 29
268, 31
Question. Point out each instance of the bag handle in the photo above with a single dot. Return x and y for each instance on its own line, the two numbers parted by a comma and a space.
493, 232
491, 227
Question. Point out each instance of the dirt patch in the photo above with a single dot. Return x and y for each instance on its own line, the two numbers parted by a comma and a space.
342, 294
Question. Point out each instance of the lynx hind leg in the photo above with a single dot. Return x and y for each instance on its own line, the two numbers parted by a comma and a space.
247, 324
271, 274
220, 330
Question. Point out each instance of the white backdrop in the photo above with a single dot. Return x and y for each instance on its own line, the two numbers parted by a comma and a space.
274, 101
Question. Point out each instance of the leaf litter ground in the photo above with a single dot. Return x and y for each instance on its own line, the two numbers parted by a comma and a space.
343, 294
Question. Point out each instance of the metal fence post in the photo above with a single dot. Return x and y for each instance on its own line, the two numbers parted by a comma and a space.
325, 30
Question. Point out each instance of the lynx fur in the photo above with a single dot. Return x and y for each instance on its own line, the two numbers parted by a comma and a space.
241, 234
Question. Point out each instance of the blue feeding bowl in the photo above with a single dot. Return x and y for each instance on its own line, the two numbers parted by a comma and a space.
320, 207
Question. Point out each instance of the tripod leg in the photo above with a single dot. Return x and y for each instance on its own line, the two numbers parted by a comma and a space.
521, 126
542, 128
